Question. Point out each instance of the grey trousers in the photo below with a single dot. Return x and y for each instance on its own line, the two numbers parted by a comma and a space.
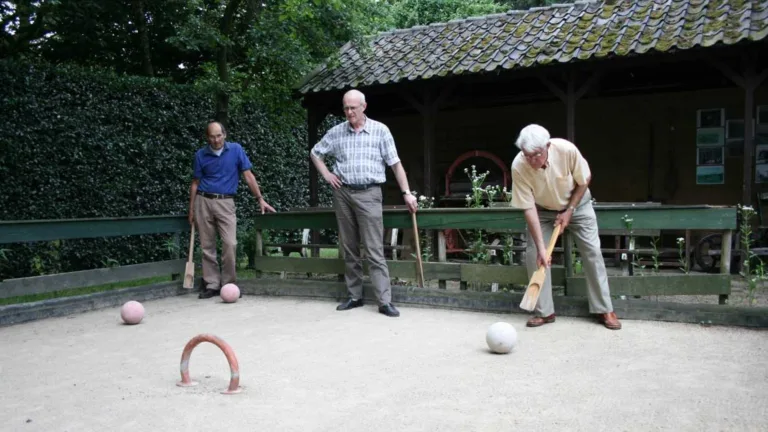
217, 216
583, 228
360, 217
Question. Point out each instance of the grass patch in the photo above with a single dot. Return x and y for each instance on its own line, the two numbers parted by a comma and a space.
82, 291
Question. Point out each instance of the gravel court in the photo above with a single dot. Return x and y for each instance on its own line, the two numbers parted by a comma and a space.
306, 367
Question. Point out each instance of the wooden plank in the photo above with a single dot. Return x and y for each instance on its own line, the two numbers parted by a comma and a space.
725, 261
48, 230
649, 218
86, 278
516, 274
705, 284
401, 269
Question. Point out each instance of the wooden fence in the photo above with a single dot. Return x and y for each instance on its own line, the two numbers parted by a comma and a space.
50, 230
645, 219
704, 218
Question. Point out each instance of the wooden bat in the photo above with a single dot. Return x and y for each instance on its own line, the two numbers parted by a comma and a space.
418, 250
537, 280
189, 271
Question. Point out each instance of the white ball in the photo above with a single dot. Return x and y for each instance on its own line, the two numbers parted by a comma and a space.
501, 337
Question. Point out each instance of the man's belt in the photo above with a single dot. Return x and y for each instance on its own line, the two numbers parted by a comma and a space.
214, 196
361, 186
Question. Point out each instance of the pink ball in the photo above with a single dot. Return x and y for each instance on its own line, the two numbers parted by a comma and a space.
230, 293
132, 312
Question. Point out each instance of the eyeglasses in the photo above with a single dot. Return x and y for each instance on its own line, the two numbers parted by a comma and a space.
351, 108
533, 156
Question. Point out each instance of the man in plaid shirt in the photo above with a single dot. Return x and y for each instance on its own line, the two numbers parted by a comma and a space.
363, 148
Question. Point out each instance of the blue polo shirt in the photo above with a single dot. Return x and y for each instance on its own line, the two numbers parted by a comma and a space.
220, 174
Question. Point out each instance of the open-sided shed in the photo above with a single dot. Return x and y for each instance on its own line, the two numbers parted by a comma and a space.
656, 94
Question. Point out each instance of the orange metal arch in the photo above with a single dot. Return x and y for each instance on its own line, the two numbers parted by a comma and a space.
234, 367
475, 153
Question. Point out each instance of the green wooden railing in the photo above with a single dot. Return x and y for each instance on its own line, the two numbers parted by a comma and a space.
49, 230
653, 218
645, 219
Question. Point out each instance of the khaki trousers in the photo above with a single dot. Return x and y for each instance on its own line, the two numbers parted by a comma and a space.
583, 229
360, 217
214, 216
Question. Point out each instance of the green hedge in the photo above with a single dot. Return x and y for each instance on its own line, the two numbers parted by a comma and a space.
80, 143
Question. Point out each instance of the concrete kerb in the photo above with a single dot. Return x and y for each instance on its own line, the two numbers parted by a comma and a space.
630, 309
58, 307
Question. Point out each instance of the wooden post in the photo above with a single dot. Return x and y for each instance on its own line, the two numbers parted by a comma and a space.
176, 253
442, 256
725, 260
749, 81
259, 248
687, 248
567, 256
314, 117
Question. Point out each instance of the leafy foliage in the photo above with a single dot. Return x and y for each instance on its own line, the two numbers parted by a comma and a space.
88, 143
409, 13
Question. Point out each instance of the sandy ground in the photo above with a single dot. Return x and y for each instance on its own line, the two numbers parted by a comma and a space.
307, 367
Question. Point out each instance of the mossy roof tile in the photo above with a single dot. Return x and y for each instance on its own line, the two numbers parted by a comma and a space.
558, 33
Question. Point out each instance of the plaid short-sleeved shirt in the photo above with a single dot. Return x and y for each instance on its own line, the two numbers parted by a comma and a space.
361, 158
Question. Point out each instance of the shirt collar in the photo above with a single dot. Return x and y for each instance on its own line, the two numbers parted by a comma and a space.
224, 148
366, 125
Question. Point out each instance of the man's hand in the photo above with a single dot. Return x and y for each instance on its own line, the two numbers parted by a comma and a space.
541, 258
332, 179
412, 203
563, 219
264, 206
191, 218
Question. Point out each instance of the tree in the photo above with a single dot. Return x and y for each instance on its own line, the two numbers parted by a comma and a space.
409, 13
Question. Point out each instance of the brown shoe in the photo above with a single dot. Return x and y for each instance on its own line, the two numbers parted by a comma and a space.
539, 321
610, 321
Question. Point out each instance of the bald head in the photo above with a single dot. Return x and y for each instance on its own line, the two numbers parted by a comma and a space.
354, 96
215, 133
354, 105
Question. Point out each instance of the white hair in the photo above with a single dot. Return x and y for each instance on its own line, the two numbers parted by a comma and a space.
356, 93
532, 138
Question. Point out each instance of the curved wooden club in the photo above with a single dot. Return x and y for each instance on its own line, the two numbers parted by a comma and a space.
234, 367
531, 296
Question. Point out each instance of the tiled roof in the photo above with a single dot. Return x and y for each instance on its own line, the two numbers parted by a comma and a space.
538, 36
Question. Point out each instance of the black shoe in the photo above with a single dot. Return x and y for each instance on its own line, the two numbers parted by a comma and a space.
389, 310
349, 304
208, 293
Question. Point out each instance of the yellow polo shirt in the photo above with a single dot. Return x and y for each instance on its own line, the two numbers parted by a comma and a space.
550, 187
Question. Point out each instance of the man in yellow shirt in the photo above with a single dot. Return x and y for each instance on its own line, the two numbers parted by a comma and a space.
550, 182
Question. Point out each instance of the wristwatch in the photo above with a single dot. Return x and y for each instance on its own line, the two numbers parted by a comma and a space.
406, 193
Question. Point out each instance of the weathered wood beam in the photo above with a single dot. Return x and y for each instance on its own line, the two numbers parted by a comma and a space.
406, 269
664, 285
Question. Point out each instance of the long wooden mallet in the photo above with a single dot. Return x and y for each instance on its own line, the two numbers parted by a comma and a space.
418, 250
537, 280
189, 271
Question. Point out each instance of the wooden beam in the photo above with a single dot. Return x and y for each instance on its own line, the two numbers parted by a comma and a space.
609, 218
554, 89
56, 229
725, 260
664, 285
406, 269
419, 106
87, 278
505, 274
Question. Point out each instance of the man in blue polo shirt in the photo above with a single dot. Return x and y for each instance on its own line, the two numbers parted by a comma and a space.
216, 173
